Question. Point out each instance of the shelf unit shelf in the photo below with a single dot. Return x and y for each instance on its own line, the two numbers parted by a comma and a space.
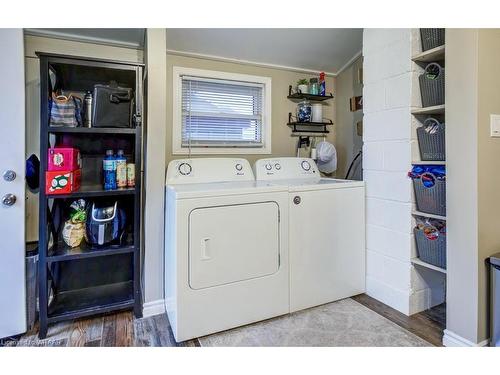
418, 262
430, 162
424, 214
83, 130
434, 110
435, 54
300, 96
85, 280
89, 301
92, 190
62, 252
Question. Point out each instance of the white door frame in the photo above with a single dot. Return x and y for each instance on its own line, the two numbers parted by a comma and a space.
12, 157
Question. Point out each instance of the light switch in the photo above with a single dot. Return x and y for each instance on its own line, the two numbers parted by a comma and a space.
494, 125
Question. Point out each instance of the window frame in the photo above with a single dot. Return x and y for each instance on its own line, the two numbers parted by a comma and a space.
178, 149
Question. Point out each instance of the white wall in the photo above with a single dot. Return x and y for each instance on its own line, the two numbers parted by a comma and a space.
390, 91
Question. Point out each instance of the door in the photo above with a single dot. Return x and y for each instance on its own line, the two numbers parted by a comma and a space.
229, 244
12, 194
327, 246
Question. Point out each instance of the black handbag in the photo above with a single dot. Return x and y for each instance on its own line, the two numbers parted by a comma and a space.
113, 106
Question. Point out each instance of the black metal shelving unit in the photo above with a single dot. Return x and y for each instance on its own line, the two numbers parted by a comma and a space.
83, 281
308, 127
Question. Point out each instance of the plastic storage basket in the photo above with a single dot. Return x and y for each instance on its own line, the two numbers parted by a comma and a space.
431, 38
432, 85
431, 140
431, 250
430, 199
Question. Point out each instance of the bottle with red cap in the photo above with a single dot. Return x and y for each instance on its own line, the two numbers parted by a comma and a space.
322, 84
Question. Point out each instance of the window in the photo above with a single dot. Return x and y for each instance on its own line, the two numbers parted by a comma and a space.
221, 113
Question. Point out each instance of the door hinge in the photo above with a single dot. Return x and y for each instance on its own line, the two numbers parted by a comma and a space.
137, 119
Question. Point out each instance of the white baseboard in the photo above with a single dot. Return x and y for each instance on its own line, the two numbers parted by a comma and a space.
452, 339
153, 308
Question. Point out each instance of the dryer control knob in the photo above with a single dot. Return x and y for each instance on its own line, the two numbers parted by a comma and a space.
238, 167
185, 169
305, 165
277, 166
269, 166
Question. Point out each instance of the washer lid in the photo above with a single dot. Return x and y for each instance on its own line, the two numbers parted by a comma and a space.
319, 184
214, 189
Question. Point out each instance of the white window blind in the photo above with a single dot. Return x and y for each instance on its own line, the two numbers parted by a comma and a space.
221, 113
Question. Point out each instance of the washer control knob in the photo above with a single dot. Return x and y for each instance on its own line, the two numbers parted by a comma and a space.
238, 167
277, 166
269, 166
305, 165
185, 169
296, 199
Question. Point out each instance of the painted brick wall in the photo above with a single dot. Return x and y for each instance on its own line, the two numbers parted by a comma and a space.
390, 92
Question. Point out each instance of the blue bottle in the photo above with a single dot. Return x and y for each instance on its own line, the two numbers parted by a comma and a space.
109, 170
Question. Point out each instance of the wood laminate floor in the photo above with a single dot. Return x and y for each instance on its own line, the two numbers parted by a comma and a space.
120, 329
428, 325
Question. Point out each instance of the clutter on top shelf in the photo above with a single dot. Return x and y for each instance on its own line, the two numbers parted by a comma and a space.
303, 86
322, 84
65, 110
112, 106
313, 86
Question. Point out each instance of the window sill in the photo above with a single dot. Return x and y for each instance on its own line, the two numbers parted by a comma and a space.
223, 151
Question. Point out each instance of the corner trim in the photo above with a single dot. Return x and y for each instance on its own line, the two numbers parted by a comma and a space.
350, 62
451, 339
153, 308
245, 62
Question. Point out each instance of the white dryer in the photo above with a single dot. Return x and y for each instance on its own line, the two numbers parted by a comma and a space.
226, 247
326, 231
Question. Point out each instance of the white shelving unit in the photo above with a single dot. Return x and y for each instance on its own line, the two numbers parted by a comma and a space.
425, 214
418, 262
434, 110
435, 54
434, 162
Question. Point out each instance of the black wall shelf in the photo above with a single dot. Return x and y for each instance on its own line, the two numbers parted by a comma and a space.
308, 127
311, 97
85, 280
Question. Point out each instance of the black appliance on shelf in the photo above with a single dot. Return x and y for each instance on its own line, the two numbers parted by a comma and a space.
105, 223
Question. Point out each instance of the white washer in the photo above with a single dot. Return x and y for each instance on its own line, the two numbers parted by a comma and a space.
326, 231
226, 247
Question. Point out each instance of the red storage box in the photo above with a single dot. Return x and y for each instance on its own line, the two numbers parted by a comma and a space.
65, 182
64, 159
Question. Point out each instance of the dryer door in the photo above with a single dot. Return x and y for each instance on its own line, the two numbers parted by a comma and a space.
234, 243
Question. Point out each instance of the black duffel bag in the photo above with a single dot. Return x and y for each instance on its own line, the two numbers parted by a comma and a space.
113, 106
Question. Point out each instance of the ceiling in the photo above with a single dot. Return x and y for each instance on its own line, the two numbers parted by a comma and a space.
327, 50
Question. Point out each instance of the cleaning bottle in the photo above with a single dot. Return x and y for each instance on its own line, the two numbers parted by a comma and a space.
109, 169
322, 84
121, 169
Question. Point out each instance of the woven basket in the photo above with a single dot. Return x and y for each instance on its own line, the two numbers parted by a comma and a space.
431, 38
432, 89
431, 200
432, 251
431, 144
